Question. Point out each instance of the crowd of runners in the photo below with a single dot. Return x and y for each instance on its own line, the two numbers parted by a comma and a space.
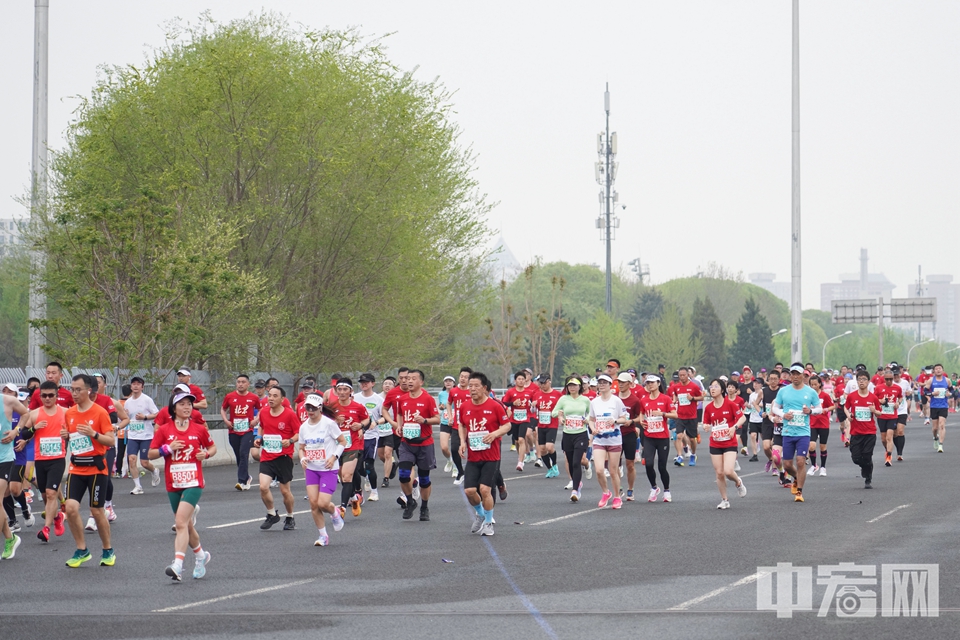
66, 449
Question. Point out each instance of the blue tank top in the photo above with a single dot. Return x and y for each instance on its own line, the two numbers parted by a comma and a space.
938, 393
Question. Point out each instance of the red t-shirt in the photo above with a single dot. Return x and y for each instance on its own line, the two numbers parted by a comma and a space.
739, 401
455, 398
163, 417
273, 429
865, 425
543, 404
877, 379
105, 401
265, 404
683, 395
240, 407
719, 419
589, 394
839, 384
634, 409
519, 404
390, 401
64, 398
353, 414
892, 394
639, 391
408, 409
182, 470
47, 443
479, 419
822, 420
656, 426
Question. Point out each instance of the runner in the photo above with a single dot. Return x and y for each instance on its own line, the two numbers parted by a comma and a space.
321, 445
458, 395
657, 409
733, 395
183, 377
352, 418
239, 413
795, 405
11, 403
938, 388
544, 401
573, 409
54, 373
389, 413
90, 432
754, 411
607, 413
120, 420
722, 418
517, 401
443, 405
278, 434
686, 394
771, 428
22, 469
903, 411
482, 422
629, 430
42, 433
185, 445
820, 427
416, 415
890, 395
372, 402
143, 410
862, 406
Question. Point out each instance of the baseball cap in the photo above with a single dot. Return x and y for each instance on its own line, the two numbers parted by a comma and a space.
601, 378
183, 372
97, 374
543, 377
796, 369
746, 367
652, 378
180, 396
11, 387
594, 381
368, 377
633, 371
136, 379
625, 377
735, 373
182, 388
259, 384
313, 400
306, 385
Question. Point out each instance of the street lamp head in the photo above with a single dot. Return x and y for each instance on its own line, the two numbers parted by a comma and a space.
846, 333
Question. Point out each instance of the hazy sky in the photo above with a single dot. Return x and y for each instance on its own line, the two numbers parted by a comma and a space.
700, 101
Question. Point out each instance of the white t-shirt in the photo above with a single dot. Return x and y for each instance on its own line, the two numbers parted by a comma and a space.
903, 384
373, 404
756, 417
605, 413
320, 441
852, 387
140, 429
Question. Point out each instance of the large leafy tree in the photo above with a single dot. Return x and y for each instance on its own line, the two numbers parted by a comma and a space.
708, 327
647, 308
754, 345
256, 189
669, 340
599, 339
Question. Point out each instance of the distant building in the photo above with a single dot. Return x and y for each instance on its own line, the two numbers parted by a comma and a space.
856, 286
502, 264
9, 234
947, 326
766, 281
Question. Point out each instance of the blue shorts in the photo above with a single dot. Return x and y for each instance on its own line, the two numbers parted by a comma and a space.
370, 448
794, 446
133, 446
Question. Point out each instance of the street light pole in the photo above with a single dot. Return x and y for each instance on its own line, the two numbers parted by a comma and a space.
796, 317
824, 354
909, 351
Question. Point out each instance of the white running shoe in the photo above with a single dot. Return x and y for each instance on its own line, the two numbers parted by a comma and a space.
448, 467
366, 484
337, 520
574, 496
606, 473
477, 524
589, 472
486, 529
29, 519
538, 463
91, 524
654, 494
823, 471
742, 490
454, 472
200, 568
736, 465
621, 472
111, 514
275, 483
520, 466
322, 541
416, 492
459, 481
155, 481
568, 486
374, 496
193, 518
724, 504
667, 497
137, 491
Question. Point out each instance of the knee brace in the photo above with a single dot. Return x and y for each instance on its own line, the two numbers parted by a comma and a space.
404, 475
424, 480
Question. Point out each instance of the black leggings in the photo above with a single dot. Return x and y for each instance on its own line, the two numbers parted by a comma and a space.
111, 459
455, 452
574, 446
661, 448
121, 449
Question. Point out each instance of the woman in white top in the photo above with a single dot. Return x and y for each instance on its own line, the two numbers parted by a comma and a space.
321, 444
607, 413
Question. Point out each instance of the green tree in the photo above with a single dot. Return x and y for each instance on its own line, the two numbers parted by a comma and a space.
647, 308
14, 307
708, 327
753, 345
503, 337
670, 340
600, 338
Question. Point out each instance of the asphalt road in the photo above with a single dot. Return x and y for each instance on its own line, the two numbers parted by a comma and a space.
554, 569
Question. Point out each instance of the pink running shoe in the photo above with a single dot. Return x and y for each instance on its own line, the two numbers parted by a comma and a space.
604, 499
617, 503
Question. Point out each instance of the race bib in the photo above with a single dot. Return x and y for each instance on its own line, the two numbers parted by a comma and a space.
747, 410
604, 425
683, 399
347, 439
862, 414
654, 424
384, 429
80, 444
798, 420
315, 453
888, 409
136, 427
272, 443
184, 475
51, 447
940, 392
720, 432
520, 415
574, 422
411, 430
241, 425
475, 440
544, 417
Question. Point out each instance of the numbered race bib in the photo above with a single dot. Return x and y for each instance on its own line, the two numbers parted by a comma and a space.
940, 392
384, 429
51, 447
184, 475
683, 399
241, 425
411, 430
605, 425
574, 422
315, 453
347, 438
862, 414
272, 443
475, 440
654, 424
747, 409
80, 444
544, 417
520, 415
720, 432
798, 420
137, 427
888, 409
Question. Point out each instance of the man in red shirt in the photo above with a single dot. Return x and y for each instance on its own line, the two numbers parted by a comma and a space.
279, 431
482, 422
628, 432
183, 377
543, 402
54, 373
685, 394
861, 407
416, 415
353, 419
391, 443
890, 395
238, 410
517, 402
455, 399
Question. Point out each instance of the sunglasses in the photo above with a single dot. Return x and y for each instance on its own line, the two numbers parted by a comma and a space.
308, 408
48, 395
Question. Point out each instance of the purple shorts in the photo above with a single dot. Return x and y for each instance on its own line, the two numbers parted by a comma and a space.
327, 480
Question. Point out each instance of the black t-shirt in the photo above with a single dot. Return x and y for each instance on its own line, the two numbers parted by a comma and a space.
769, 395
746, 388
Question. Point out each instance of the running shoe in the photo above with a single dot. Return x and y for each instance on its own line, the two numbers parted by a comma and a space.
322, 541
588, 473
200, 566
338, 520
137, 491
374, 496
823, 471
724, 504
111, 514
794, 488
477, 523
385, 484
693, 459
155, 480
604, 499
926, 421
629, 495
503, 492
617, 503
667, 497
238, 486
939, 448
193, 517
453, 474
766, 468
754, 458
91, 524
173, 572
654, 494
813, 470
448, 467
366, 484
643, 462
10, 547
416, 490
355, 508
274, 483
520, 466
58, 527
459, 481
568, 486
79, 557
486, 529
108, 558
14, 526
269, 521
867, 484
289, 524
606, 473
678, 461
899, 458
736, 465
887, 460
402, 501
698, 438
574, 496
409, 509
742, 490
538, 463
394, 469
513, 447
424, 513
28, 518
743, 451
44, 534
798, 497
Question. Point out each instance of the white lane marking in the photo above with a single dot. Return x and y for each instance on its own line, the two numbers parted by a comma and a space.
888, 513
716, 592
569, 515
521, 478
234, 595
234, 524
